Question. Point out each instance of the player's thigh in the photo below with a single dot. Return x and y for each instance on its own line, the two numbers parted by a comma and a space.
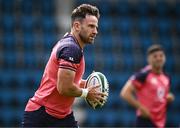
68, 121
34, 118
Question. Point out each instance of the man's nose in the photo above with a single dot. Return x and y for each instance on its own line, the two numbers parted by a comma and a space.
95, 31
159, 58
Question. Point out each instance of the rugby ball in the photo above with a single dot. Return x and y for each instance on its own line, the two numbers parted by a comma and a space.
97, 78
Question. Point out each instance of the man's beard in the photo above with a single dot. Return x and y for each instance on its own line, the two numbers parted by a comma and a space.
158, 66
84, 38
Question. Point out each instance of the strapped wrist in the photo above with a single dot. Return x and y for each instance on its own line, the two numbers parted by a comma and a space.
84, 93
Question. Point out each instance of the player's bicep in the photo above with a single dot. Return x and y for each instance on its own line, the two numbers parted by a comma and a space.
127, 89
65, 79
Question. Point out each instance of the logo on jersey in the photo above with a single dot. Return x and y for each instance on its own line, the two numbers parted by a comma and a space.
71, 58
160, 94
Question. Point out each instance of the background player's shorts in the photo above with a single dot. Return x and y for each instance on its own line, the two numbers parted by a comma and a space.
40, 118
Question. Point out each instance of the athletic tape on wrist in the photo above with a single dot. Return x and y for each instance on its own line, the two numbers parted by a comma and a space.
84, 93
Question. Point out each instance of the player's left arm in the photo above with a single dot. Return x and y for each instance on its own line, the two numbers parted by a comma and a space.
170, 96
82, 83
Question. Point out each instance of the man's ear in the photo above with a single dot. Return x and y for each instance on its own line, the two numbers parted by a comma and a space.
148, 59
77, 25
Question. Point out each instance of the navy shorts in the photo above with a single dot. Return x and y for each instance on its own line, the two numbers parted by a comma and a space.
144, 122
40, 118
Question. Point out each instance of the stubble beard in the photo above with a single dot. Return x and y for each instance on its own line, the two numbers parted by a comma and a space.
85, 39
158, 67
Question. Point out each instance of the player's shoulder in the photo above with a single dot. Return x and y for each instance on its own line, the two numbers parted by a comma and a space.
167, 75
142, 74
69, 49
69, 44
69, 41
144, 71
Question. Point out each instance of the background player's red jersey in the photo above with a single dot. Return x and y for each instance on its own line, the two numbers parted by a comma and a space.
152, 90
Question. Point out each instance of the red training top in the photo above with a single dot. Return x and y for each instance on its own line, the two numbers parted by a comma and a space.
66, 54
152, 90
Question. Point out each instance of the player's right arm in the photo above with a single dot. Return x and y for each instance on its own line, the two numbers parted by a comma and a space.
69, 58
67, 87
127, 93
65, 84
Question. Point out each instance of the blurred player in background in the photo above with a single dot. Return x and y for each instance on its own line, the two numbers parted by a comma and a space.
62, 79
152, 89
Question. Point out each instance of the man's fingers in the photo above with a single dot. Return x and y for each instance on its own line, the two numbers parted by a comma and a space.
101, 100
97, 101
105, 94
102, 94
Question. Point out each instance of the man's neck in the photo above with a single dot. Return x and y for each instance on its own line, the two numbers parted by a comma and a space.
79, 41
157, 70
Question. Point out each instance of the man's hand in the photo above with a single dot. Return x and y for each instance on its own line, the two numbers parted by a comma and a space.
170, 97
82, 83
144, 111
127, 93
95, 95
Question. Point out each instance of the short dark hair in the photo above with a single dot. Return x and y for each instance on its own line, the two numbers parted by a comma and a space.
154, 48
84, 9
